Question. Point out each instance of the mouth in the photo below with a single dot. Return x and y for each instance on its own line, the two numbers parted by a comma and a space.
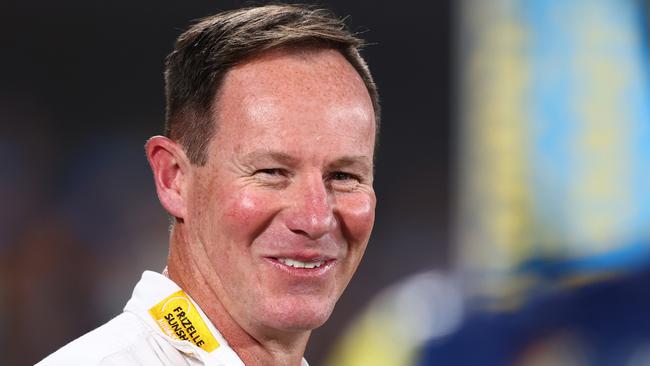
303, 266
299, 264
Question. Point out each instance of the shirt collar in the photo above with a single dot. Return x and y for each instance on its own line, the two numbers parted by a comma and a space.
164, 307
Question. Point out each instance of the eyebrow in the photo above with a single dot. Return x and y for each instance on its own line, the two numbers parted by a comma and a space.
262, 154
356, 161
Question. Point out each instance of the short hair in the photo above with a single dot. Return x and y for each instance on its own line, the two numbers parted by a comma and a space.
203, 54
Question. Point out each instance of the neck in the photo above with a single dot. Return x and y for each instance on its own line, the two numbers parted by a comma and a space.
253, 346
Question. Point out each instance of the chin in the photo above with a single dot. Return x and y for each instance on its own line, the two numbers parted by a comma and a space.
298, 315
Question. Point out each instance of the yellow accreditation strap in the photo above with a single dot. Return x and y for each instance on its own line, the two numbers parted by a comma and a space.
179, 319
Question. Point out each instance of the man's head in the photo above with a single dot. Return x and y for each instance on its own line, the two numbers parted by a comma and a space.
275, 208
208, 50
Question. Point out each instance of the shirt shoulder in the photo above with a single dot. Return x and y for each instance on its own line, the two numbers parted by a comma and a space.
124, 340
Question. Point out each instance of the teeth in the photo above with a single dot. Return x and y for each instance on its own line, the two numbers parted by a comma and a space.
299, 264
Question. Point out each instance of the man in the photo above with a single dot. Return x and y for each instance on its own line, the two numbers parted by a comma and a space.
267, 172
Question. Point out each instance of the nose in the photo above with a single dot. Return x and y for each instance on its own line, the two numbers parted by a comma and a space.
311, 213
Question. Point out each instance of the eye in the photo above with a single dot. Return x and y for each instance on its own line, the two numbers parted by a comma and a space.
275, 172
343, 176
274, 177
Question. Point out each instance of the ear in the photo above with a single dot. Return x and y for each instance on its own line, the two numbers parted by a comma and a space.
170, 168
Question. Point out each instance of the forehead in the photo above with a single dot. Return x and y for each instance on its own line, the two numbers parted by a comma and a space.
286, 68
315, 90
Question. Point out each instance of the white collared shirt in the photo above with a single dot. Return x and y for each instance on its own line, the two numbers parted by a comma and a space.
160, 325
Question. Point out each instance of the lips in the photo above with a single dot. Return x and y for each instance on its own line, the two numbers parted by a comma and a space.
296, 263
300, 264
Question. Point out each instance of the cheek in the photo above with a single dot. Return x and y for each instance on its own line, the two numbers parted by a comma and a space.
233, 223
358, 216
245, 214
243, 207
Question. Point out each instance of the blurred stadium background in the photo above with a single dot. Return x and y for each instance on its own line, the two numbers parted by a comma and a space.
513, 178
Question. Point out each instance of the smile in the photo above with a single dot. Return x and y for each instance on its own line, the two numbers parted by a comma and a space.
298, 264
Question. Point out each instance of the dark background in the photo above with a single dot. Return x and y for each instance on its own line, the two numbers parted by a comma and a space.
81, 89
